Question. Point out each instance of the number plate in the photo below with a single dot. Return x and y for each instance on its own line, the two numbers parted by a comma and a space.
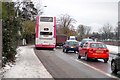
45, 35
99, 51
72, 46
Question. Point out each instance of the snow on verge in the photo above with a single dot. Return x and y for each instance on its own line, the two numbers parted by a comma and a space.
9, 65
113, 49
27, 66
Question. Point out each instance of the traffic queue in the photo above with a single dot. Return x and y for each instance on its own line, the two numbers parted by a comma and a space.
90, 49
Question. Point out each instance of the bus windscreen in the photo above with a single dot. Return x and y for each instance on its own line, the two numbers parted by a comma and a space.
46, 19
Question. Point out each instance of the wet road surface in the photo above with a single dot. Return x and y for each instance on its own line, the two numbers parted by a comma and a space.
62, 65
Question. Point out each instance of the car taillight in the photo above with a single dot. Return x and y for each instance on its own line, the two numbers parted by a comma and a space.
107, 50
92, 50
67, 46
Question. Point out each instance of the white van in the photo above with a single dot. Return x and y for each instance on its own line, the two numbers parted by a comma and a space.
72, 38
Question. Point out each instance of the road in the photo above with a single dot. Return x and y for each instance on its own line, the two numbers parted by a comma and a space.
62, 65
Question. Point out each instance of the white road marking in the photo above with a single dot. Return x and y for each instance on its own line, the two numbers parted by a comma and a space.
107, 74
96, 69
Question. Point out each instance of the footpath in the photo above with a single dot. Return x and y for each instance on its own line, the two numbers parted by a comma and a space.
27, 65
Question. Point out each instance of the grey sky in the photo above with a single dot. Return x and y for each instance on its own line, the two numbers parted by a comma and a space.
94, 13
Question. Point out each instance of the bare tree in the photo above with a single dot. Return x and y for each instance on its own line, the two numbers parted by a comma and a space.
116, 29
38, 5
65, 22
106, 30
83, 31
88, 30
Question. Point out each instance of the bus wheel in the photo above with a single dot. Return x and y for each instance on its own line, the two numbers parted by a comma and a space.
36, 48
52, 49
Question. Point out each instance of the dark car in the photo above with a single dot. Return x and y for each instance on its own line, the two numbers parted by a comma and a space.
70, 45
85, 40
115, 63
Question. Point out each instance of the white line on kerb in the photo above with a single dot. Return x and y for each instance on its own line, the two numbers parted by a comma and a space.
96, 69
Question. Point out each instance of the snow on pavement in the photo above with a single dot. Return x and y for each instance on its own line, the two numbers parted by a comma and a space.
27, 66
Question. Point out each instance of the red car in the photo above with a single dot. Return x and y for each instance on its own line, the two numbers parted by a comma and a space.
96, 50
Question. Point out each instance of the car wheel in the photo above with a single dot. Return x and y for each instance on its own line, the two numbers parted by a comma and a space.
79, 57
86, 57
75, 52
66, 51
63, 50
96, 59
113, 67
105, 60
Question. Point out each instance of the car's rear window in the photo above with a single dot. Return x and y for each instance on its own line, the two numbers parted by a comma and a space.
97, 45
73, 43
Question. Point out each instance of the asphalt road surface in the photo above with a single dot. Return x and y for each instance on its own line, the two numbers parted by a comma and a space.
66, 65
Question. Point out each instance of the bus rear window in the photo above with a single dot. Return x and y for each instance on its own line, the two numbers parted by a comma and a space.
45, 33
46, 19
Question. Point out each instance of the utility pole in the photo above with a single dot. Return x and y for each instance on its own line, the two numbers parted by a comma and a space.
119, 23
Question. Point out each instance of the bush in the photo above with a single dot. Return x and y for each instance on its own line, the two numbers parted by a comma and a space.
10, 27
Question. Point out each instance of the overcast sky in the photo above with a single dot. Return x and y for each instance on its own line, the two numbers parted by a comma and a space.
94, 13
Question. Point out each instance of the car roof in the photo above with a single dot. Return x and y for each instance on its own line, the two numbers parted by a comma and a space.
72, 40
94, 42
87, 39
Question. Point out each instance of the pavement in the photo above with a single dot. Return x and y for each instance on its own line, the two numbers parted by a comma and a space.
27, 65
